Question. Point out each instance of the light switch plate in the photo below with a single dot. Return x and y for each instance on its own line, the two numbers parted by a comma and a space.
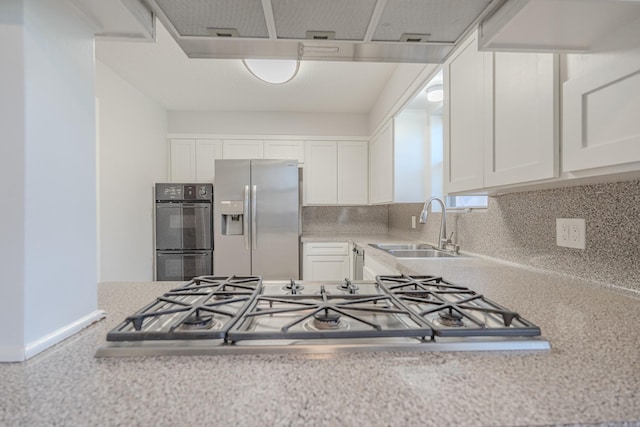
571, 232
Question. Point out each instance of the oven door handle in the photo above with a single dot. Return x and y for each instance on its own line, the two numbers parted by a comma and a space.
181, 252
246, 217
196, 205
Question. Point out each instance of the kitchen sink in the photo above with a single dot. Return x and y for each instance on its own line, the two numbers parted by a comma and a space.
419, 250
424, 253
401, 246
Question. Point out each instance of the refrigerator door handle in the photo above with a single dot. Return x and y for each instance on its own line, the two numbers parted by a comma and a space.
254, 222
246, 217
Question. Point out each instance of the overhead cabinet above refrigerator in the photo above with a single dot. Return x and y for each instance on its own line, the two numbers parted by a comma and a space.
256, 219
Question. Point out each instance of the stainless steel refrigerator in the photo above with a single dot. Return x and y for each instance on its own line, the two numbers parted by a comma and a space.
256, 227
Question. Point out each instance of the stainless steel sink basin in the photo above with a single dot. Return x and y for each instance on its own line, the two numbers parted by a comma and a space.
407, 250
401, 246
424, 253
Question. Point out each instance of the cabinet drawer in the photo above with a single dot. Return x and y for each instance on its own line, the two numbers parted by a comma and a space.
327, 248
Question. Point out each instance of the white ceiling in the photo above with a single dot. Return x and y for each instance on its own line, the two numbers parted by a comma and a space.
162, 71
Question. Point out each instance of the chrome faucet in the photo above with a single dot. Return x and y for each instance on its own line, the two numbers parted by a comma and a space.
442, 240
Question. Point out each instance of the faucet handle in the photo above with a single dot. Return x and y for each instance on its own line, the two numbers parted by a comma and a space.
447, 241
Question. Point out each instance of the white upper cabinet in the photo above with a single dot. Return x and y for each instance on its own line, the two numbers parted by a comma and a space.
353, 165
207, 151
601, 115
522, 140
465, 104
242, 149
193, 160
335, 172
321, 173
182, 154
381, 166
501, 118
289, 150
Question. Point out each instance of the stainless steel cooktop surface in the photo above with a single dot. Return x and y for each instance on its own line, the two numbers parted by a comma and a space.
243, 314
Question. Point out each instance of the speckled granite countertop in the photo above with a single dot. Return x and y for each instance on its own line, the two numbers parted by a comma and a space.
591, 375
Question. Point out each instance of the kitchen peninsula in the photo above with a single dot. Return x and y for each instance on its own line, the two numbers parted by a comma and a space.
590, 375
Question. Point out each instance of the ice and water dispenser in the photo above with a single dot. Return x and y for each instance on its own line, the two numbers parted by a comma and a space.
232, 212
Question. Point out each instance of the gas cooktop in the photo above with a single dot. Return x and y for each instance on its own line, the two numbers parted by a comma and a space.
243, 314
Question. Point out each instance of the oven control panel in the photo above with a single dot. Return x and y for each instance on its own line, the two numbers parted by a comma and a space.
183, 192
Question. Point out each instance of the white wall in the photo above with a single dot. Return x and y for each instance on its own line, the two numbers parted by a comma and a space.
52, 175
267, 123
133, 156
12, 186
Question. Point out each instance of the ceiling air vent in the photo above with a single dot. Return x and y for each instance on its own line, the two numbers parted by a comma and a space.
223, 32
321, 35
415, 38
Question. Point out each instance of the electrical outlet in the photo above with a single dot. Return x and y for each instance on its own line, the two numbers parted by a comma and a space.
570, 232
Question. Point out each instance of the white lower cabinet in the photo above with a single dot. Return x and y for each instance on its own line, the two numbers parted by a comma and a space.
325, 261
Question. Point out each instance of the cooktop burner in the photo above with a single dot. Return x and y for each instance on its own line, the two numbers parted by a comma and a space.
242, 314
203, 308
332, 315
453, 310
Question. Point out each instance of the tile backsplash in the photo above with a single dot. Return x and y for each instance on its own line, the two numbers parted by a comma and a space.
521, 228
518, 227
345, 219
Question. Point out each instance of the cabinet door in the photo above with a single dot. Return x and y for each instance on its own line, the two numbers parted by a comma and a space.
522, 143
287, 150
465, 107
242, 149
207, 151
353, 160
600, 114
182, 160
326, 267
381, 166
321, 173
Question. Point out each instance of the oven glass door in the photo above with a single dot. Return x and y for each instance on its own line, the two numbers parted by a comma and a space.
196, 226
169, 226
183, 265
183, 226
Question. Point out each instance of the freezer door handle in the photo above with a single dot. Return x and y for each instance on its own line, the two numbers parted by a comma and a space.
254, 222
246, 217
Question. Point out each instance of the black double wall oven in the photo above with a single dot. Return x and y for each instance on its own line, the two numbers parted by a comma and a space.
183, 231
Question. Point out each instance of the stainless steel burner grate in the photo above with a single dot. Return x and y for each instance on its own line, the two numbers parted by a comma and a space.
203, 308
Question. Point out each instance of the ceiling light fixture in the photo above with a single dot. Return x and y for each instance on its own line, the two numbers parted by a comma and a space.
274, 71
435, 93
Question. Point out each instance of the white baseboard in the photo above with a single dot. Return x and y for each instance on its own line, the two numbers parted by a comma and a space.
65, 332
12, 354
